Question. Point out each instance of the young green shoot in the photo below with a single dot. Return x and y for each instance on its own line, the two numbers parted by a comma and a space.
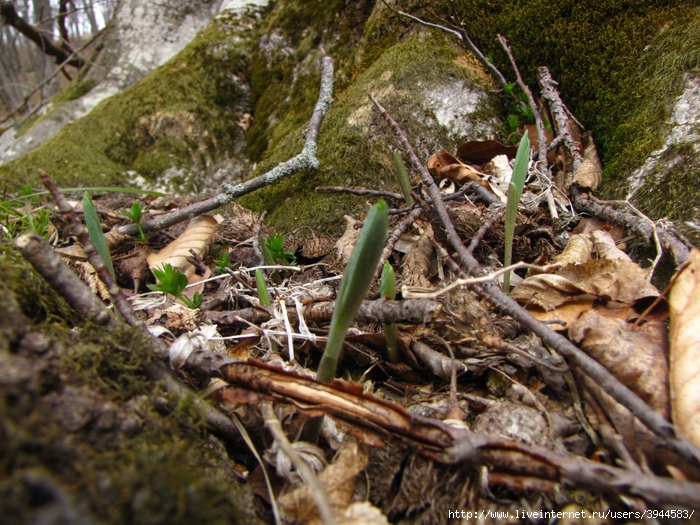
275, 247
94, 228
404, 181
223, 262
388, 292
515, 191
264, 298
135, 215
354, 285
172, 281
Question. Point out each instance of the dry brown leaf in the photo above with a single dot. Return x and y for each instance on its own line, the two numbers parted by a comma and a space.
590, 172
443, 165
685, 349
361, 513
577, 250
198, 237
338, 479
566, 313
606, 247
616, 281
481, 151
635, 355
591, 224
347, 241
417, 262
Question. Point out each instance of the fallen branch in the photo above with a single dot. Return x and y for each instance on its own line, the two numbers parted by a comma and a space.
304, 160
381, 311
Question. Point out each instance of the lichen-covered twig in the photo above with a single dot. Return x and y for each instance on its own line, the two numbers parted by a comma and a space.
305, 160
507, 306
561, 116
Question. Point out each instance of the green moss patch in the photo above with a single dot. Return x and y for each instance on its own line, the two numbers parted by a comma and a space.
355, 144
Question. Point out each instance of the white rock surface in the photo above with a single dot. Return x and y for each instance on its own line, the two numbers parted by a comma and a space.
684, 126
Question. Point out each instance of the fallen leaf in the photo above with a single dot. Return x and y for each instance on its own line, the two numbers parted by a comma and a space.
443, 165
590, 172
635, 355
481, 151
198, 237
684, 338
347, 241
338, 479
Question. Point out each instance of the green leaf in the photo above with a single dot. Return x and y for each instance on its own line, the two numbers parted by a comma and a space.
388, 282
95, 232
404, 181
515, 191
263, 295
357, 277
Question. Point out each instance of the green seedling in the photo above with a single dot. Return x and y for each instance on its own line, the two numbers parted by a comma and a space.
353, 288
388, 292
18, 215
223, 262
515, 191
135, 215
95, 232
275, 247
264, 298
172, 281
404, 181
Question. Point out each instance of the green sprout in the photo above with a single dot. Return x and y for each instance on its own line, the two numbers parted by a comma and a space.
223, 262
264, 297
388, 292
135, 215
357, 278
275, 247
404, 181
515, 191
172, 281
95, 232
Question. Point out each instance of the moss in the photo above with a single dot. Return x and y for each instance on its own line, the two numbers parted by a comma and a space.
79, 434
354, 145
201, 83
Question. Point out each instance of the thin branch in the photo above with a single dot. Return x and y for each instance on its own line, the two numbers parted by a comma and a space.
561, 117
305, 160
9, 14
461, 34
362, 191
506, 305
541, 138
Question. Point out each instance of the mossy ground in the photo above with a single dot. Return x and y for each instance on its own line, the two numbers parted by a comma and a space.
79, 435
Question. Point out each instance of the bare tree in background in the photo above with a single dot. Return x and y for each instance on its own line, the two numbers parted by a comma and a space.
30, 60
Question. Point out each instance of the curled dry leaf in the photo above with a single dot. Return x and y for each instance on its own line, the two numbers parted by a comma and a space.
198, 237
443, 165
636, 355
590, 172
685, 349
417, 263
338, 479
347, 241
606, 248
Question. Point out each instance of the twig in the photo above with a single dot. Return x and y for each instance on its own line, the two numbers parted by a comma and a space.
305, 160
557, 108
461, 34
318, 492
506, 305
409, 311
395, 234
256, 239
541, 138
640, 227
485, 228
362, 191
119, 298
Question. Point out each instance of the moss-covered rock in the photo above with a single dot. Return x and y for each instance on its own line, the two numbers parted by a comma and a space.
182, 119
80, 439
